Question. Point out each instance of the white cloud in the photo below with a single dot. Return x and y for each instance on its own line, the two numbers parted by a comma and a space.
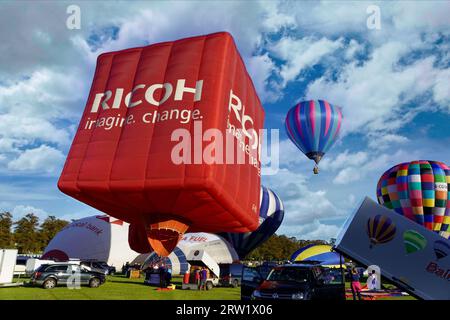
375, 164
399, 20
42, 159
18, 130
309, 214
441, 91
347, 175
372, 94
352, 49
385, 141
344, 159
289, 155
21, 211
302, 53
302, 205
45, 93
313, 231
260, 69
31, 112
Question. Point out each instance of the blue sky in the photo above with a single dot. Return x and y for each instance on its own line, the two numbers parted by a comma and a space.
392, 83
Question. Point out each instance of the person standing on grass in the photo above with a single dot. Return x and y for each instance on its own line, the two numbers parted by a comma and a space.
203, 276
168, 276
355, 284
162, 276
197, 277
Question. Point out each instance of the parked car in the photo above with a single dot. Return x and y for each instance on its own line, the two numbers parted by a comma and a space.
301, 282
251, 279
99, 266
265, 268
51, 275
231, 275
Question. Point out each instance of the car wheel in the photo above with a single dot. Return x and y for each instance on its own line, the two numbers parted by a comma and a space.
94, 283
235, 283
209, 285
49, 283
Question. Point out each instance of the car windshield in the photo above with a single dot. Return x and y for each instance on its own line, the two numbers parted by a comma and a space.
289, 274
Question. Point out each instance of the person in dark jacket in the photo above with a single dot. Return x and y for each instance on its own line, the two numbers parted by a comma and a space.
162, 276
203, 277
168, 276
197, 277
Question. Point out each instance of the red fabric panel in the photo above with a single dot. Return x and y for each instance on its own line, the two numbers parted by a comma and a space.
127, 171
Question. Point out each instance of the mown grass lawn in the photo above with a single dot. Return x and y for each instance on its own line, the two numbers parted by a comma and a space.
118, 288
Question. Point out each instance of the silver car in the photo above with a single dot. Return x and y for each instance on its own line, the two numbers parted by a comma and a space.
51, 275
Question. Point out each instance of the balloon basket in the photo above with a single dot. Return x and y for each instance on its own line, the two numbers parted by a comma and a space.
316, 170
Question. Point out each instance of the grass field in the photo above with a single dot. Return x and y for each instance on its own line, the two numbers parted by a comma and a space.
118, 288
121, 288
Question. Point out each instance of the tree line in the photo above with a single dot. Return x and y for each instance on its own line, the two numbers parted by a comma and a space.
27, 234
280, 247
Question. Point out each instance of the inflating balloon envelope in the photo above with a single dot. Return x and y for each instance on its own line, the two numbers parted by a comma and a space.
271, 214
142, 104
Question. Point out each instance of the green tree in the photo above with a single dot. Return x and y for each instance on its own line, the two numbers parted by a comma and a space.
26, 234
6, 236
49, 228
279, 247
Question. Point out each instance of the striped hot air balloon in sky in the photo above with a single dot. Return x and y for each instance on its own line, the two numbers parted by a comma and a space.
418, 190
380, 229
271, 215
314, 126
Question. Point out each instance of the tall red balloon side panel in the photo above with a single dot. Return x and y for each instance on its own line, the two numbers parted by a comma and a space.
142, 102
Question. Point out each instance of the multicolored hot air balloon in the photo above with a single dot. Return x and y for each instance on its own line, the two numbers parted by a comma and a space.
271, 214
132, 158
313, 126
380, 229
441, 249
413, 241
320, 253
418, 190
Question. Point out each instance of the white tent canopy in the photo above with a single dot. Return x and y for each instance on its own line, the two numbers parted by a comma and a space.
215, 246
100, 238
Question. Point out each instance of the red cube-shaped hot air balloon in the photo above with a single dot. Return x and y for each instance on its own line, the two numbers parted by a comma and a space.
153, 144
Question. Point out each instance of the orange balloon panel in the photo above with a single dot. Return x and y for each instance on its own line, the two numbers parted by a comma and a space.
155, 143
